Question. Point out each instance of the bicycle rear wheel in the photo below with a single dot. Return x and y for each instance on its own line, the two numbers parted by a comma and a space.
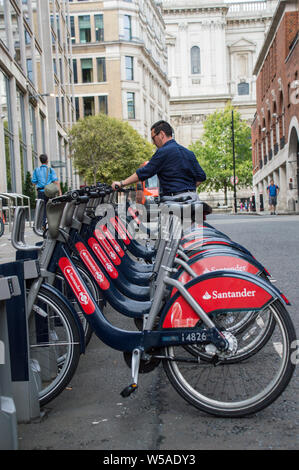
251, 329
54, 343
236, 389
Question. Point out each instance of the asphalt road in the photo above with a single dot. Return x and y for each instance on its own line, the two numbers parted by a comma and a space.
91, 415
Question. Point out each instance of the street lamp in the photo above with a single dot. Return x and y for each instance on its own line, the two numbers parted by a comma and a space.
234, 163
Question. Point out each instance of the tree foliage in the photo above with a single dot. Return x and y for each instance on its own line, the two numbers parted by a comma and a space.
215, 151
107, 149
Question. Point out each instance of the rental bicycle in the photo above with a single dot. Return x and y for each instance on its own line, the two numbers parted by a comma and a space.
188, 318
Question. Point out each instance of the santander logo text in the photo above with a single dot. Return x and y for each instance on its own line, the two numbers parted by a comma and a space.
229, 294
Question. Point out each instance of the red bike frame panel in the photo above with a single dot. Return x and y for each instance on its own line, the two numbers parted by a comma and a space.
107, 247
112, 240
92, 266
105, 261
216, 294
76, 285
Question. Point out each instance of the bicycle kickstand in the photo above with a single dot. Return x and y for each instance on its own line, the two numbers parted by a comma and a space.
136, 356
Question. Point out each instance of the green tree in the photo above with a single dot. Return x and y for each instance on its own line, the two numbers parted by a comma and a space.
106, 149
29, 190
214, 152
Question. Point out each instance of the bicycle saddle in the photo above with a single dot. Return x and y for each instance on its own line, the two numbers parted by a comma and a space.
185, 209
167, 199
54, 214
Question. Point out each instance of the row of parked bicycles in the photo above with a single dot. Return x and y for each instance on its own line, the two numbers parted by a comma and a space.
194, 300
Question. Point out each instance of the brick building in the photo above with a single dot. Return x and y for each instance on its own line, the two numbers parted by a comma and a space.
275, 129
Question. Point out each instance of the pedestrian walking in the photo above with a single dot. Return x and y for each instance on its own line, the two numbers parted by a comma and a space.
273, 191
177, 168
41, 177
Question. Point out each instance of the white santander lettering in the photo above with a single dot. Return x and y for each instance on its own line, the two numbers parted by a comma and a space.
231, 295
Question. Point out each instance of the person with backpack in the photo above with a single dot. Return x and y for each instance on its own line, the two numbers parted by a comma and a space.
43, 176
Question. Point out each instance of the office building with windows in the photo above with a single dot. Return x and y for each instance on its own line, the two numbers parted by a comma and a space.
120, 61
275, 129
36, 89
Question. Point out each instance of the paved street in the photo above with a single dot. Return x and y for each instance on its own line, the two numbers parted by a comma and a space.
91, 414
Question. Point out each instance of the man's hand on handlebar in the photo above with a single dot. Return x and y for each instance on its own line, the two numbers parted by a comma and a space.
116, 185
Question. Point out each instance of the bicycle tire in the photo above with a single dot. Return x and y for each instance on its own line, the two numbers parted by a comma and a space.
54, 344
227, 389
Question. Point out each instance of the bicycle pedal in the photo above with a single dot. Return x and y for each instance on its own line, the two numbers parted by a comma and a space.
129, 390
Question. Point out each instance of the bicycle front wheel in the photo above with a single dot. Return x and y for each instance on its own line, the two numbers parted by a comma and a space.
236, 389
54, 343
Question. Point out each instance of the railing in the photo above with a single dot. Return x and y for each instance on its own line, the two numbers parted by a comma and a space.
248, 6
12, 201
234, 9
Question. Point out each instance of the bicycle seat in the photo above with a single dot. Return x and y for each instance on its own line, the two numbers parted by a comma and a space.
54, 214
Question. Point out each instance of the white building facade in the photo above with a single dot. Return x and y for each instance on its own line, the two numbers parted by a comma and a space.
212, 49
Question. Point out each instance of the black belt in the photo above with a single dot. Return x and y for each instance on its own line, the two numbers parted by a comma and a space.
178, 192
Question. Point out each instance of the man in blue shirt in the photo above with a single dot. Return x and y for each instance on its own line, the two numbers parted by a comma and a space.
176, 167
40, 180
273, 191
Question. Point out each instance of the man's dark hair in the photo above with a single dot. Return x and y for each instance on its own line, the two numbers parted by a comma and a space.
43, 158
162, 126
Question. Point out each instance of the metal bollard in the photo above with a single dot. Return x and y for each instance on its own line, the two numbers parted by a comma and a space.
9, 287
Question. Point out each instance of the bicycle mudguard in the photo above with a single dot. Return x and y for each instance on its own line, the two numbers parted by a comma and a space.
222, 291
68, 305
220, 260
201, 244
115, 277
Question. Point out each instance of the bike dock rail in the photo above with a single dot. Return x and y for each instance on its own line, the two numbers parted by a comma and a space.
19, 400
12, 201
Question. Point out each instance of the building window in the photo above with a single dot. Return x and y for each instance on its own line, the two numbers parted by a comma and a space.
43, 134
84, 28
57, 108
3, 33
129, 68
243, 88
22, 135
16, 36
88, 105
99, 27
33, 136
195, 60
77, 108
87, 72
75, 71
131, 105
5, 110
101, 69
73, 33
127, 27
29, 69
103, 104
